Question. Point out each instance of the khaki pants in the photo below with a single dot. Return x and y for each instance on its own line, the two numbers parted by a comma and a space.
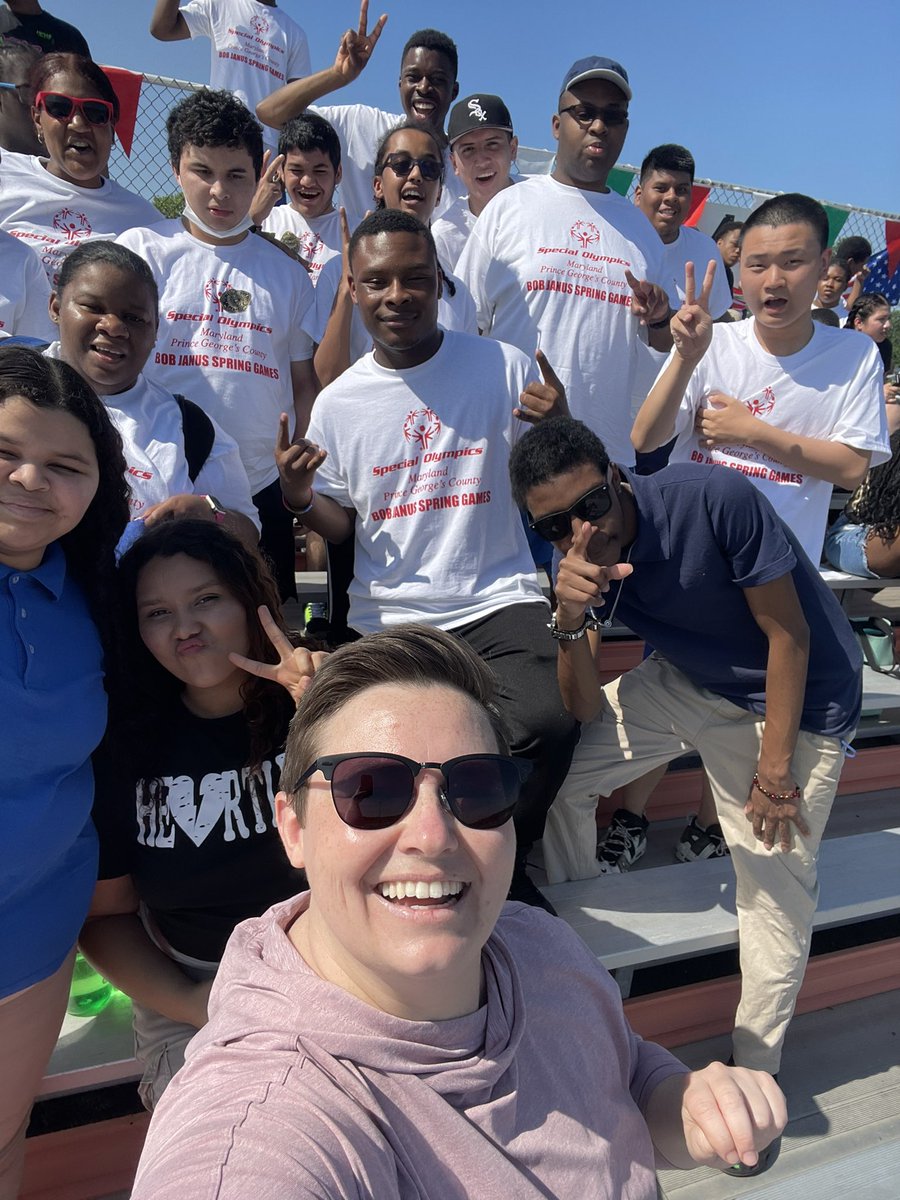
654, 714
30, 1022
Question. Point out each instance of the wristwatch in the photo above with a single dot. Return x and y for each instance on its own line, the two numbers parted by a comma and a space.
571, 635
218, 511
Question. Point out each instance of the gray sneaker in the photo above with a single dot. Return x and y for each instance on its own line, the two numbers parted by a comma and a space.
697, 843
623, 843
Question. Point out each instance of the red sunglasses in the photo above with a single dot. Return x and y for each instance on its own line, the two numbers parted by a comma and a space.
63, 108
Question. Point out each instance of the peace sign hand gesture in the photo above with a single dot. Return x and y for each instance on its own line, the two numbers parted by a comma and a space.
357, 45
296, 666
692, 324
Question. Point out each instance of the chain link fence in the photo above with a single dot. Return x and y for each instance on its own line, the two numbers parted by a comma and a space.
149, 172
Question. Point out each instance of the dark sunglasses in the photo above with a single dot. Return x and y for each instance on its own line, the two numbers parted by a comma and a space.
402, 164
590, 507
62, 108
374, 791
585, 115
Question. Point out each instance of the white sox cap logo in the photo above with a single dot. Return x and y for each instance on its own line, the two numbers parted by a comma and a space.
476, 110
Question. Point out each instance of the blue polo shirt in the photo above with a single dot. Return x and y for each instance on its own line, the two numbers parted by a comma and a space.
53, 709
704, 534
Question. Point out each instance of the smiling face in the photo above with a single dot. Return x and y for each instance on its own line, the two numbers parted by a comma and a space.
218, 183
420, 959
310, 180
190, 622
780, 270
613, 532
482, 158
410, 193
48, 478
832, 286
395, 284
107, 326
77, 151
585, 157
664, 197
427, 86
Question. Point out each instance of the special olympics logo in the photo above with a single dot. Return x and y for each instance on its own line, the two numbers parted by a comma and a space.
585, 232
260, 25
421, 427
73, 225
225, 297
476, 110
761, 406
310, 245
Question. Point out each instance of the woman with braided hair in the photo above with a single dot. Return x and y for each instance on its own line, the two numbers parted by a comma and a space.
865, 539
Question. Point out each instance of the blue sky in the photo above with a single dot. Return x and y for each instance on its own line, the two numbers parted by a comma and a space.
780, 95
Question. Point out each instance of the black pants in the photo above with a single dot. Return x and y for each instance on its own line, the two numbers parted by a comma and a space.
517, 645
276, 538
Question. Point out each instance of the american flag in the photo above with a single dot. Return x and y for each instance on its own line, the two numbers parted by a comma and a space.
878, 280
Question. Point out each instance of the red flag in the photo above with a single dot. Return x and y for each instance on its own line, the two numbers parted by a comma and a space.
127, 86
892, 238
699, 196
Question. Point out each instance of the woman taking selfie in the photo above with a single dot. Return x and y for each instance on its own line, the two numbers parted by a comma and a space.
398, 1031
63, 506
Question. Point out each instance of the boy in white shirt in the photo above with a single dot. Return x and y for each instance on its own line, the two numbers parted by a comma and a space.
234, 309
483, 149
255, 47
309, 166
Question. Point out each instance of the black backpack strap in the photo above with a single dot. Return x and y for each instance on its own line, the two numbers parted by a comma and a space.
199, 435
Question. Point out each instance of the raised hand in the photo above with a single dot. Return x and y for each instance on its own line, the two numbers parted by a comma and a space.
357, 45
580, 582
648, 300
546, 399
269, 189
692, 324
296, 666
297, 463
726, 421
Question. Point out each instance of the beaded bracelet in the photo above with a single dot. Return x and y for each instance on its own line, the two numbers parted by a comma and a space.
794, 795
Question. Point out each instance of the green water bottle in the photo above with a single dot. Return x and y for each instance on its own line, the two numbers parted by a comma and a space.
90, 992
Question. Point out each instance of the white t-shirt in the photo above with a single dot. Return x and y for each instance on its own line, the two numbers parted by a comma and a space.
546, 264
451, 231
831, 389
232, 319
24, 292
52, 216
150, 426
318, 240
455, 312
360, 129
694, 246
255, 48
422, 456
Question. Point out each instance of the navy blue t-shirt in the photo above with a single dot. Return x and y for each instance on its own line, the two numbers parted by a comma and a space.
704, 534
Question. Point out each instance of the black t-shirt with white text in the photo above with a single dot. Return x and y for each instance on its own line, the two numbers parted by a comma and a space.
49, 34
199, 838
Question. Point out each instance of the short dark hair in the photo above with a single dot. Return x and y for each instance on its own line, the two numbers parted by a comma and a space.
668, 157
111, 254
856, 248
214, 118
841, 264
307, 132
793, 208
727, 226
553, 448
433, 39
55, 64
415, 655
391, 220
48, 383
826, 316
